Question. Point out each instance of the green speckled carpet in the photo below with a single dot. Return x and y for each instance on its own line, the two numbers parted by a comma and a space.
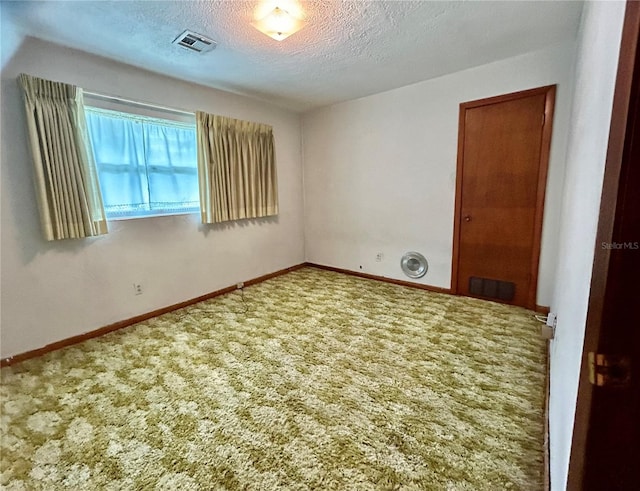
316, 380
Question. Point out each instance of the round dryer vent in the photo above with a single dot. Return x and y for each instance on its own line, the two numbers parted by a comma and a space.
414, 265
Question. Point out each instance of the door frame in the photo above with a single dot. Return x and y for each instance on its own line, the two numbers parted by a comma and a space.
600, 276
549, 91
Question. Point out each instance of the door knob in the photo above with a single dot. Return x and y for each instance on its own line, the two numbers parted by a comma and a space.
467, 218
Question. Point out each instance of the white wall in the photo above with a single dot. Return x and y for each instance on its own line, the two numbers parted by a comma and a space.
379, 172
596, 65
54, 290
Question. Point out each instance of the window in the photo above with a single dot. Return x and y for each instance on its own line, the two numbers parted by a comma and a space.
146, 165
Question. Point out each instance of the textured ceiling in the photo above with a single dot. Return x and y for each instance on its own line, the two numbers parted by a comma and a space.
347, 50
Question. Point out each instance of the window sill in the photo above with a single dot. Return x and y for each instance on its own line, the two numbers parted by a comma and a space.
151, 215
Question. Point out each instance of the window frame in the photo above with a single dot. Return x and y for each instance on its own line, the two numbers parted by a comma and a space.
142, 111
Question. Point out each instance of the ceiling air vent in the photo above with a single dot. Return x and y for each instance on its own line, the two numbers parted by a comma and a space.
195, 42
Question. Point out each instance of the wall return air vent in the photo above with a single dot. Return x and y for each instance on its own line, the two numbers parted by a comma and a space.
195, 42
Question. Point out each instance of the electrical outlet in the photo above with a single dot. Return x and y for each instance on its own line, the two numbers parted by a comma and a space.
379, 257
240, 285
547, 332
137, 289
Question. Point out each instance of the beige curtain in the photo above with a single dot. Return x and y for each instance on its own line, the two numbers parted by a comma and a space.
66, 179
236, 169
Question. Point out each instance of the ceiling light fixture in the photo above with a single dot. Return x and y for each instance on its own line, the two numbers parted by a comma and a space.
279, 24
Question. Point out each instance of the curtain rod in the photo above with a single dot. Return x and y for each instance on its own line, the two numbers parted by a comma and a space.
138, 103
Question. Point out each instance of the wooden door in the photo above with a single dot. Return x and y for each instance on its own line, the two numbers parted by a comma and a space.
605, 451
503, 151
